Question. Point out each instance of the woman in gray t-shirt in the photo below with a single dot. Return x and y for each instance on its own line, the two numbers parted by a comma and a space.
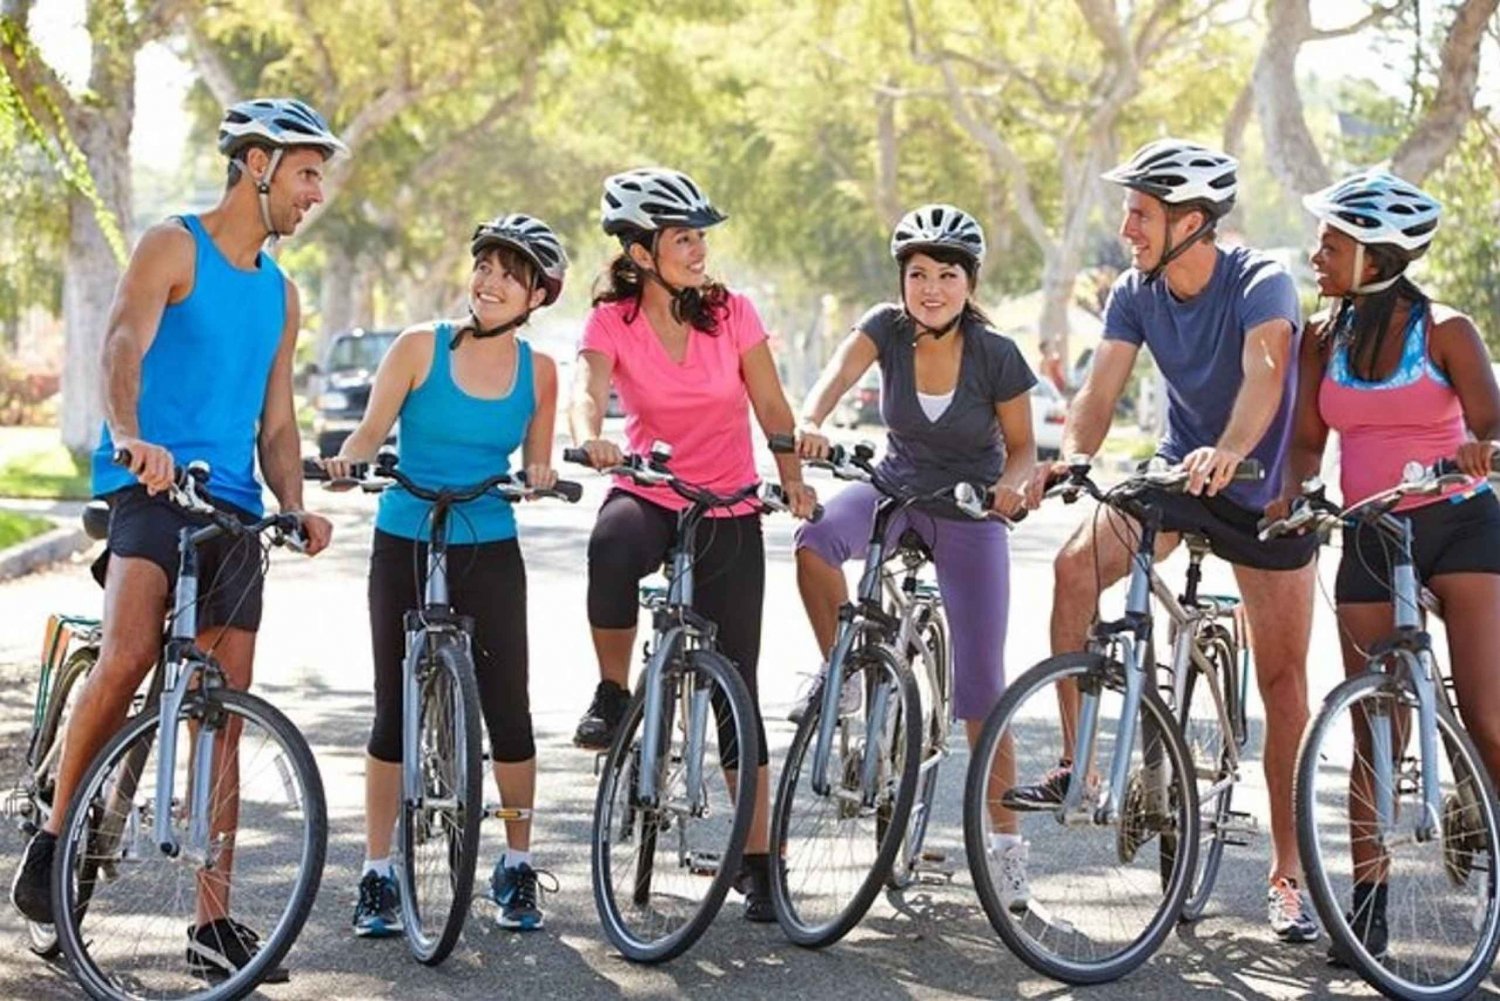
954, 398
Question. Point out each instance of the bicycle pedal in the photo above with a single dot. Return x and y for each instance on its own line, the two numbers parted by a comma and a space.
935, 868
703, 863
599, 757
495, 811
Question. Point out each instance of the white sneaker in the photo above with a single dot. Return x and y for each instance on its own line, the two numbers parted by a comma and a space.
850, 699
1010, 876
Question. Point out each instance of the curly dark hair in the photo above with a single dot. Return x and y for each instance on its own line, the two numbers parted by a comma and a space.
701, 308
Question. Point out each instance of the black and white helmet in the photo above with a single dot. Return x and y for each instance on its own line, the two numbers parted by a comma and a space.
1177, 171
278, 122
1376, 206
529, 236
938, 226
654, 198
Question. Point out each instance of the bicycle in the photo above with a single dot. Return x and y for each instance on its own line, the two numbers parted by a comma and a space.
141, 830
857, 788
70, 648
442, 757
666, 848
1104, 907
1425, 817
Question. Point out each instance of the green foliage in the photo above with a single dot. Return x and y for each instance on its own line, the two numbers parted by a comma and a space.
16, 528
1462, 265
53, 473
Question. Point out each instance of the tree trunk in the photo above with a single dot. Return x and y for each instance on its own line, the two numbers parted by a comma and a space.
1442, 126
1291, 152
92, 271
336, 301
887, 199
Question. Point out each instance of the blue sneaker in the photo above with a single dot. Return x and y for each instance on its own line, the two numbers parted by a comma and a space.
378, 913
515, 892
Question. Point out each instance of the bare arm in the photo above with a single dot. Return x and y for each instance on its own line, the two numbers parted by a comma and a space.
394, 379
855, 354
586, 412
768, 400
1309, 432
536, 453
1092, 410
1267, 354
1020, 453
279, 443
1459, 351
160, 272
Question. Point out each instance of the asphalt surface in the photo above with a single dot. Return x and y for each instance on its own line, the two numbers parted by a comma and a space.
930, 942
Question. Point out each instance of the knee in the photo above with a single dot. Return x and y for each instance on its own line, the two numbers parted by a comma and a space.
1073, 572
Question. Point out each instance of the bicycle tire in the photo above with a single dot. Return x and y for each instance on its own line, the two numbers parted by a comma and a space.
1045, 675
454, 755
1385, 976
935, 719
301, 768
800, 928
622, 762
1218, 649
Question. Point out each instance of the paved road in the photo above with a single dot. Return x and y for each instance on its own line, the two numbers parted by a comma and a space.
933, 942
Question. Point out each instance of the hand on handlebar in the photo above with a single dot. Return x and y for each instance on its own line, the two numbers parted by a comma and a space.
317, 532
1008, 501
151, 464
602, 454
1476, 458
801, 499
540, 476
1210, 469
812, 443
1043, 476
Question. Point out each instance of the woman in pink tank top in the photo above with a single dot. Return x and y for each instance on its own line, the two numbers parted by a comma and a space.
689, 360
1401, 378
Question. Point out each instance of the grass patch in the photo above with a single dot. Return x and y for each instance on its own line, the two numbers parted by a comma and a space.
45, 474
16, 528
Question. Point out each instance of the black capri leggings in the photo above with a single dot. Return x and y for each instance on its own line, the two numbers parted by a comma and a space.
631, 539
485, 581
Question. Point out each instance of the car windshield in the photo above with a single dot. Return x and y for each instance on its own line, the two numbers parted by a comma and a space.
365, 351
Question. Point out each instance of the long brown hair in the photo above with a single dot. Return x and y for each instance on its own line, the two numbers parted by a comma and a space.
701, 308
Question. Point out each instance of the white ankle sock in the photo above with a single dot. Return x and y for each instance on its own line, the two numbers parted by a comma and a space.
1000, 841
514, 859
380, 866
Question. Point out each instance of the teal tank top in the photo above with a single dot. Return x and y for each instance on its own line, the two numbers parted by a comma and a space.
203, 379
448, 438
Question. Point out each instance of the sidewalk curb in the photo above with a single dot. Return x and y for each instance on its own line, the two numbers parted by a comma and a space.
49, 547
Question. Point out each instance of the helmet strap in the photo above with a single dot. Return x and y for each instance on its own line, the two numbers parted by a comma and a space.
1170, 253
1359, 268
263, 193
480, 333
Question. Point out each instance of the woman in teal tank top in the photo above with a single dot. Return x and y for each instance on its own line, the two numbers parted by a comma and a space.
468, 394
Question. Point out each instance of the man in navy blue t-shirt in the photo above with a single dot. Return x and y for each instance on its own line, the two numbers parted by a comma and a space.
1222, 326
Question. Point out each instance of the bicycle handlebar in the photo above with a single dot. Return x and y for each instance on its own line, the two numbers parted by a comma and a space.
376, 477
652, 471
189, 491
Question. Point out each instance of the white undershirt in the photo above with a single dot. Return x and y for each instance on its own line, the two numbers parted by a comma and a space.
933, 404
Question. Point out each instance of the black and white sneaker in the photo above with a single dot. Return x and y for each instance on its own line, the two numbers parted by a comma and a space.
224, 947
596, 730
31, 890
377, 914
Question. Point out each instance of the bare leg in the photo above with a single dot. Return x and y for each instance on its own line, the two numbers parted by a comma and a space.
613, 647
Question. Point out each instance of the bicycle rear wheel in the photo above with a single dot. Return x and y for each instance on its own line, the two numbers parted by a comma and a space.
838, 844
268, 838
1442, 921
439, 835
661, 869
1083, 902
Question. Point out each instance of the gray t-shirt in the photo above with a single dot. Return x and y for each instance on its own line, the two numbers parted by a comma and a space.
1199, 345
965, 442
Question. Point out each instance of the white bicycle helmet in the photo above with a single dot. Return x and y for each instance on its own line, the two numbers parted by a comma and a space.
1375, 206
277, 122
938, 226
654, 198
531, 237
1177, 171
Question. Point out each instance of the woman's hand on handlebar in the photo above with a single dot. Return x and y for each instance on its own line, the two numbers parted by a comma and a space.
1007, 500
1043, 475
812, 443
1474, 458
603, 454
343, 471
541, 476
801, 499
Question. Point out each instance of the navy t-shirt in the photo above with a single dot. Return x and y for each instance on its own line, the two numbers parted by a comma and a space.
965, 442
1199, 345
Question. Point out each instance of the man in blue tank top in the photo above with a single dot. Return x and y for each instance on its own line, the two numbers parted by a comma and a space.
197, 365
1222, 326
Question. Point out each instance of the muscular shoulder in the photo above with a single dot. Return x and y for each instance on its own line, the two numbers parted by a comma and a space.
1449, 325
167, 248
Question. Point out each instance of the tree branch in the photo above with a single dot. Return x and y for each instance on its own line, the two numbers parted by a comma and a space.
212, 69
1442, 124
327, 79
1374, 17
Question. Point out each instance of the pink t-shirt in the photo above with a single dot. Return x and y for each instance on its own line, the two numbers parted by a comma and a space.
700, 407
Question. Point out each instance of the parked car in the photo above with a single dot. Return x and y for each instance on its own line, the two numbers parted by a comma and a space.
344, 378
861, 405
1049, 411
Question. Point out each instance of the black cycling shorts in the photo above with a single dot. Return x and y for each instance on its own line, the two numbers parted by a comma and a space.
1232, 531
230, 571
1457, 535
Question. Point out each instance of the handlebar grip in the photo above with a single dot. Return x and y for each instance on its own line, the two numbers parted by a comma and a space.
817, 514
1448, 467
312, 471
568, 490
783, 444
577, 456
1249, 470
122, 457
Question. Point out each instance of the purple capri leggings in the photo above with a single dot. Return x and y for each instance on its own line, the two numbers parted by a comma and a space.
972, 559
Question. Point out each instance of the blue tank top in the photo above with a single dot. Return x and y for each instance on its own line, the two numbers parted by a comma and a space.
203, 379
451, 439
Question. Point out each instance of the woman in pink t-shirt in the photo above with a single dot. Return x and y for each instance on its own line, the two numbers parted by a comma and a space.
689, 361
1401, 378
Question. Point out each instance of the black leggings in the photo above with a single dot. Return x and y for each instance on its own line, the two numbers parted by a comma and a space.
631, 539
485, 581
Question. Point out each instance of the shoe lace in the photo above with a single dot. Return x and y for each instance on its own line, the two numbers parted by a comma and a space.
530, 887
1286, 899
1013, 866
369, 895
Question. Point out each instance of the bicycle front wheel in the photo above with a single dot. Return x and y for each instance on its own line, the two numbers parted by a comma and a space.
124, 902
838, 843
439, 832
1077, 900
662, 865
1440, 921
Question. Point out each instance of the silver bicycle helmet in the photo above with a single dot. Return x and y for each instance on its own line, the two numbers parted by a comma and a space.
531, 237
